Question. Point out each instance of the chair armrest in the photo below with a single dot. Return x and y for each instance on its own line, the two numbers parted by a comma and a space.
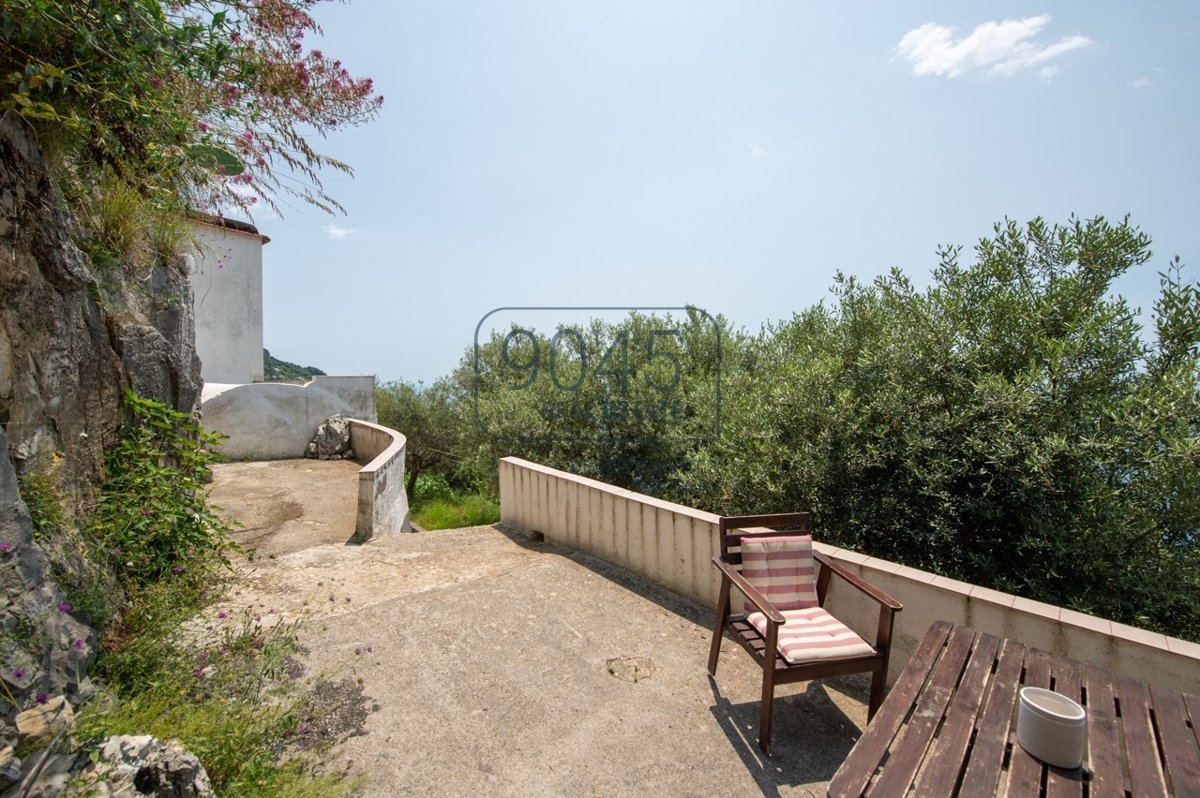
859, 583
751, 593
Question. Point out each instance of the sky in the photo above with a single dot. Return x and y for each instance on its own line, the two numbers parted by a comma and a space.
728, 155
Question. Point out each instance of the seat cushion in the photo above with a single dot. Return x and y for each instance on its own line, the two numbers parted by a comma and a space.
781, 568
812, 635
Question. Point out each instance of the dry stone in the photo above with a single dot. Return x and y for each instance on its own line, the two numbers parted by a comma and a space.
143, 765
40, 724
332, 441
10, 768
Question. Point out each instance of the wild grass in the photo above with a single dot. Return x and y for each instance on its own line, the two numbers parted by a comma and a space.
458, 512
173, 662
435, 504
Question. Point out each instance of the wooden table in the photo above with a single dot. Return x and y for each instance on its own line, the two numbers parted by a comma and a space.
948, 727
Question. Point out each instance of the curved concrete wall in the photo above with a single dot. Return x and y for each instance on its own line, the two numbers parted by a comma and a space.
382, 501
674, 545
276, 420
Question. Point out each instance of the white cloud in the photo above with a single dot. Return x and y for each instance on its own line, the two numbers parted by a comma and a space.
756, 151
337, 232
1144, 82
1003, 48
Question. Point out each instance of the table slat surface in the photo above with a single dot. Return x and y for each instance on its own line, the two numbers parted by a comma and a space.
945, 764
860, 765
1180, 751
1103, 736
948, 727
987, 755
1145, 771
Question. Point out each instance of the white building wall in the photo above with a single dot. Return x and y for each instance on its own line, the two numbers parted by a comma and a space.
227, 286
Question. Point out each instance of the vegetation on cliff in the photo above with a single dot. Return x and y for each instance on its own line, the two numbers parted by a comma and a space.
120, 119
276, 369
150, 109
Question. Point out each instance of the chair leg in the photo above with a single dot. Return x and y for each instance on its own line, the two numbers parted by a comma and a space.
714, 650
764, 711
878, 681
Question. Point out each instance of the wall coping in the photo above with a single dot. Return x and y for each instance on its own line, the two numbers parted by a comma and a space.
977, 593
381, 459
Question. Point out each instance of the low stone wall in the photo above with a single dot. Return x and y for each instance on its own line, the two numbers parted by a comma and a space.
673, 545
276, 420
382, 500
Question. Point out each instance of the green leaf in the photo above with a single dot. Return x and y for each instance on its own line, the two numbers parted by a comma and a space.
217, 159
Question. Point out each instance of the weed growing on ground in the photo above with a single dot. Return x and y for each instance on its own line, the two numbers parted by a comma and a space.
437, 505
222, 683
458, 512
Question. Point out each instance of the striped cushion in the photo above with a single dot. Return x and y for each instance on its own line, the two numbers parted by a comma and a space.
811, 635
781, 568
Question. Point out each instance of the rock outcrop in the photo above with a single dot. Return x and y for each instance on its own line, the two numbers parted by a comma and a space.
332, 441
72, 339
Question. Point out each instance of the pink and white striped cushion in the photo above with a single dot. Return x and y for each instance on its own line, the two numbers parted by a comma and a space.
811, 635
781, 568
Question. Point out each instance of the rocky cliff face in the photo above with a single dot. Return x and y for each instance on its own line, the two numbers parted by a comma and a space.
71, 342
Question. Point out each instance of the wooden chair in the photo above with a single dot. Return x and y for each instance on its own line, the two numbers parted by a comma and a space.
812, 644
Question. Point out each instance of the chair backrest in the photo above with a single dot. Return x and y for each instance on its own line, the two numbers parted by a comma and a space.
735, 528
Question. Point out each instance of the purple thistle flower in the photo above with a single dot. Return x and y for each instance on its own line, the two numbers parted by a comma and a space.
64, 606
178, 569
222, 615
41, 698
145, 513
78, 644
6, 547
19, 674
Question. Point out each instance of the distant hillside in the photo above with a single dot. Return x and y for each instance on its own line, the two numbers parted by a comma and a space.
275, 370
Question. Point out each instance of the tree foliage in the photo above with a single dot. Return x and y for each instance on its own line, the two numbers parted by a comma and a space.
1011, 425
1008, 426
621, 401
192, 104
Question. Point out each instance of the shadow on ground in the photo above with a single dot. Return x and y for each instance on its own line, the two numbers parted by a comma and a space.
812, 734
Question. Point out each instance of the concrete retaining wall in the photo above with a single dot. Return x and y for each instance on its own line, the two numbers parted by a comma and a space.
382, 501
276, 420
674, 545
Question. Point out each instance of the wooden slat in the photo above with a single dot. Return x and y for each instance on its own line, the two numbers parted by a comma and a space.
1193, 708
907, 754
1066, 677
941, 771
1145, 770
1181, 756
991, 735
1025, 771
856, 771
1104, 756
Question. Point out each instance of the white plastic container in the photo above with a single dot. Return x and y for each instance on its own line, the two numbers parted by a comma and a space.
1051, 727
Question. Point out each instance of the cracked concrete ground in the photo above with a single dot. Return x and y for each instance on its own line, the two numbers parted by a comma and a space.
509, 667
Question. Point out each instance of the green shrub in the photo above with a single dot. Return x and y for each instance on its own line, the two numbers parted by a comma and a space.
152, 518
430, 487
456, 513
221, 688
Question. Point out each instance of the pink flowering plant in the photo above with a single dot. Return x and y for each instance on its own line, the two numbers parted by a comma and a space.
196, 104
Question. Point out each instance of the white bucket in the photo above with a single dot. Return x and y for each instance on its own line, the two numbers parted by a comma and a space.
1051, 727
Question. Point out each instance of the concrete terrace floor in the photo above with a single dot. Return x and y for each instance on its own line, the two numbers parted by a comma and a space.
502, 666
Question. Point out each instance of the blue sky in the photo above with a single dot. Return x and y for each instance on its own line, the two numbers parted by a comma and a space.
729, 155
